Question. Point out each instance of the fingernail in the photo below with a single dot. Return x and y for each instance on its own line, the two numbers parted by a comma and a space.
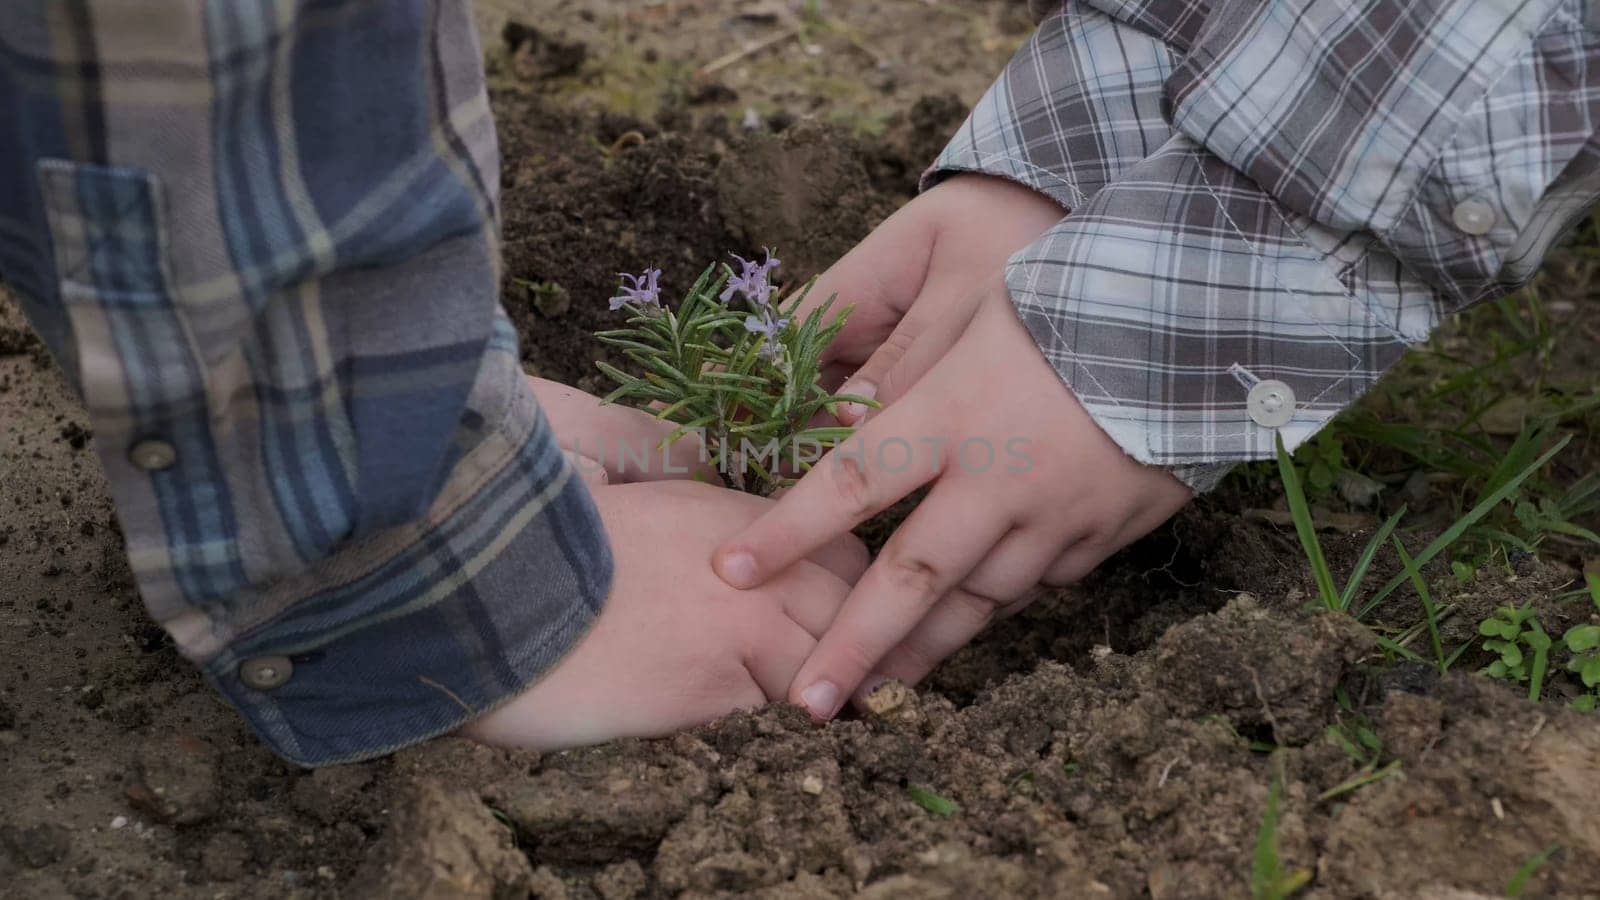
821, 699
738, 569
858, 411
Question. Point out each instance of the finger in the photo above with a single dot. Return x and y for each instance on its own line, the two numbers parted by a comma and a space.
951, 624
928, 556
880, 278
628, 442
921, 340
1089, 552
1076, 563
1018, 563
589, 471
813, 610
845, 556
782, 651
779, 644
997, 587
851, 483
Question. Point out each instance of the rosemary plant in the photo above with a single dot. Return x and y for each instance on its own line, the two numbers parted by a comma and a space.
743, 376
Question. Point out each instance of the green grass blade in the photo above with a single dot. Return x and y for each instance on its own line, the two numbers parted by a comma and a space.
932, 802
1454, 532
1305, 528
1430, 611
1268, 880
1358, 781
1368, 554
1540, 642
1525, 872
1451, 659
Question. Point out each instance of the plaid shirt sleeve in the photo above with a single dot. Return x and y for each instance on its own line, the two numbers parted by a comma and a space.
261, 240
1317, 184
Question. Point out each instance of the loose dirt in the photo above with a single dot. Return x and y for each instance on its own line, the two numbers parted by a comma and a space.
1115, 740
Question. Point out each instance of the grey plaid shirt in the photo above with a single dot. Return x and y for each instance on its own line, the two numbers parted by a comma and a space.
1270, 200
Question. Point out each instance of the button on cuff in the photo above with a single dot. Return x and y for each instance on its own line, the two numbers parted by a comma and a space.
263, 673
1271, 403
152, 455
1474, 217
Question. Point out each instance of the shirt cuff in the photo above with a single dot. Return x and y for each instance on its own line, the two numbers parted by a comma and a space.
415, 631
1078, 104
1197, 321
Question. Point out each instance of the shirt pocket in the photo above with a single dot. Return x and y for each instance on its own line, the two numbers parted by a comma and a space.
142, 381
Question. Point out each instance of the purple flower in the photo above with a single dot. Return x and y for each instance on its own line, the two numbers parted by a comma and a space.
642, 291
753, 280
769, 328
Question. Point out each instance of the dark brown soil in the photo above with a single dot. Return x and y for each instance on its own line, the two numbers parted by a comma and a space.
1110, 741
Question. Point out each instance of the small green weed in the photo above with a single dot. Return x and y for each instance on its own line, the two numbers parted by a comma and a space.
1519, 880
940, 806
1269, 879
1523, 647
1354, 734
1583, 642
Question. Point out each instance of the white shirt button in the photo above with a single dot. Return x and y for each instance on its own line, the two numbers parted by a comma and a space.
153, 455
1271, 403
263, 673
1474, 217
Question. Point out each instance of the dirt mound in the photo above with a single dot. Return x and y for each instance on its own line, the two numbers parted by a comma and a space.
1108, 781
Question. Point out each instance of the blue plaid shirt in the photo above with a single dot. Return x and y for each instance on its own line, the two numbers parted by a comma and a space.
261, 240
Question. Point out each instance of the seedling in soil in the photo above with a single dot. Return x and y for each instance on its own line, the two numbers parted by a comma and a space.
1268, 878
1523, 647
932, 802
1583, 642
734, 364
1356, 737
1354, 734
1519, 880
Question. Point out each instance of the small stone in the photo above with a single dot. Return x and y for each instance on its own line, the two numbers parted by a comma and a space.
226, 857
887, 697
551, 299
443, 842
622, 881
1357, 489
811, 784
119, 822
333, 794
38, 846
176, 780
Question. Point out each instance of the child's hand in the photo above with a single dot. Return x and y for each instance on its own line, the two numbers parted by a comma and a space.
915, 281
615, 444
674, 645
1026, 487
